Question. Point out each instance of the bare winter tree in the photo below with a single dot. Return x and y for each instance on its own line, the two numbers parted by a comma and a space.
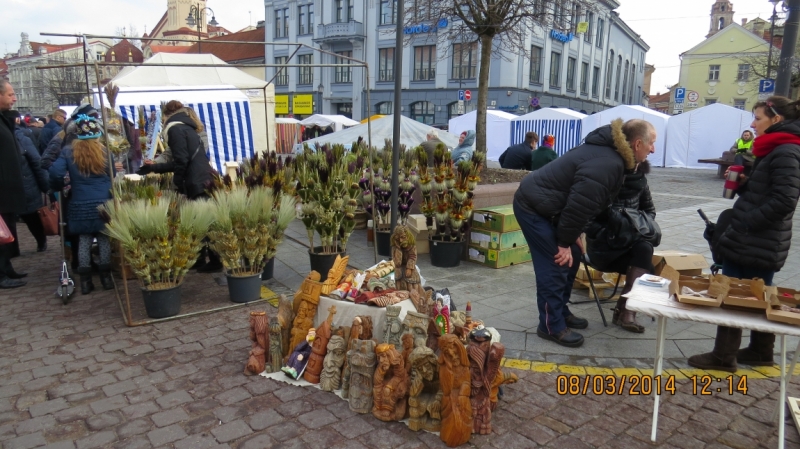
500, 27
63, 85
758, 65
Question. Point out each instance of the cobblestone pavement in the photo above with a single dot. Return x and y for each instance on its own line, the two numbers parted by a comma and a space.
75, 376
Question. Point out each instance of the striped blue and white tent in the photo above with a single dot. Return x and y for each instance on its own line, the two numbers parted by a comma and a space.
564, 124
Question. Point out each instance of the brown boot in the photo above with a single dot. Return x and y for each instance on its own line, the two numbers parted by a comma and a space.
759, 352
723, 357
622, 316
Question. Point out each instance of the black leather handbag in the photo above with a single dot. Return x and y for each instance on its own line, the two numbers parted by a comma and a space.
627, 226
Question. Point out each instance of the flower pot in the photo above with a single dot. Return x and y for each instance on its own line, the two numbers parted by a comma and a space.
162, 303
384, 241
322, 263
269, 270
446, 254
244, 288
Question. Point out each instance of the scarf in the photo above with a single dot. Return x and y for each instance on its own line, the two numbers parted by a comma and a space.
765, 143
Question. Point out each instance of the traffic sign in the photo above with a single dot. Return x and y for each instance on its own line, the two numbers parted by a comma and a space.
692, 96
535, 101
680, 94
678, 106
460, 95
766, 86
460, 107
467, 95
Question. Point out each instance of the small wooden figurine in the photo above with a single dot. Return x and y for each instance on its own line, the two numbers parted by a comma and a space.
319, 349
298, 359
335, 274
454, 378
393, 328
484, 366
361, 360
259, 335
404, 256
390, 384
425, 400
305, 307
285, 318
275, 351
331, 376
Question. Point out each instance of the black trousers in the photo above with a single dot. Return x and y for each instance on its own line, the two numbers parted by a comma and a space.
640, 255
35, 226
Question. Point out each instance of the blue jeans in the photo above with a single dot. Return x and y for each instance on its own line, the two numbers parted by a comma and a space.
553, 282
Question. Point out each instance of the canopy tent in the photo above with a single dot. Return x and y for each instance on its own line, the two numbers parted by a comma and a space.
412, 133
374, 117
225, 115
337, 122
626, 112
704, 133
498, 130
260, 94
287, 134
564, 124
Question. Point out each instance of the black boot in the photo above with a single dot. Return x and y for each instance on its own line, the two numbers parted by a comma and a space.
759, 352
622, 316
105, 277
723, 357
214, 265
86, 280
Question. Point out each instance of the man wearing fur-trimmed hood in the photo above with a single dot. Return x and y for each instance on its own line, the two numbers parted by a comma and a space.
554, 204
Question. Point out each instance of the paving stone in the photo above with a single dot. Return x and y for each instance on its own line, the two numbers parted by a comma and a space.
262, 420
139, 410
317, 418
231, 431
198, 442
78, 413
258, 442
97, 439
172, 399
48, 407
111, 403
233, 396
168, 417
133, 428
104, 420
25, 441
166, 435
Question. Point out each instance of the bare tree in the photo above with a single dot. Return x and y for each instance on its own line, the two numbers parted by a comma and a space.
758, 65
63, 85
131, 33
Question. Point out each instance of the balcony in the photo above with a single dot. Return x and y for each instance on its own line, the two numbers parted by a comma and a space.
333, 32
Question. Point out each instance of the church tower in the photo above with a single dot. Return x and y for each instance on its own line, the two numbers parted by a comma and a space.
178, 11
721, 16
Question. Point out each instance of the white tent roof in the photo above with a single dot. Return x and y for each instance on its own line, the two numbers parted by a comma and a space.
704, 133
287, 120
564, 124
629, 112
498, 130
412, 133
150, 95
185, 76
552, 114
328, 120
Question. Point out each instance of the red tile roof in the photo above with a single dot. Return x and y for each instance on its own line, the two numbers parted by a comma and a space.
660, 98
170, 49
121, 51
235, 52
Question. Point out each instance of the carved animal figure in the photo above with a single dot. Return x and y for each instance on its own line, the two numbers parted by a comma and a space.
259, 335
331, 376
425, 396
362, 369
275, 350
319, 348
393, 328
454, 378
390, 384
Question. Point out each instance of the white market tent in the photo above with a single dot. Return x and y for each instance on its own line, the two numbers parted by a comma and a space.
628, 112
498, 130
704, 133
338, 122
412, 133
564, 124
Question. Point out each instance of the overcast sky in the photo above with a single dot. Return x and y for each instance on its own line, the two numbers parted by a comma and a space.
670, 27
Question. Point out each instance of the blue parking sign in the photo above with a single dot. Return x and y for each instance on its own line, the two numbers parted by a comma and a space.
461, 95
766, 86
680, 94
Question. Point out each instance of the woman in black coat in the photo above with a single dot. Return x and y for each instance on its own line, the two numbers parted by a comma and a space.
612, 249
756, 243
36, 182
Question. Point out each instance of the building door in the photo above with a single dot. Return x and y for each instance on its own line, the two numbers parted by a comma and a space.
345, 109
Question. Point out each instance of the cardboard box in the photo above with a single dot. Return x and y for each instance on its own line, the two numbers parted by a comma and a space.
499, 259
417, 221
717, 286
742, 289
596, 275
420, 233
778, 296
497, 218
481, 238
686, 264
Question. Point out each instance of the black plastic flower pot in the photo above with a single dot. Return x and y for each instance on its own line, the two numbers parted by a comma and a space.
162, 303
244, 288
384, 241
269, 270
446, 254
322, 262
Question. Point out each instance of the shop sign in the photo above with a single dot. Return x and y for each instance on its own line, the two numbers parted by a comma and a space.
561, 37
281, 104
303, 104
425, 28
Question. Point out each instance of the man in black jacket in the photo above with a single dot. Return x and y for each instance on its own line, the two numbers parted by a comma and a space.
12, 201
518, 157
51, 129
555, 203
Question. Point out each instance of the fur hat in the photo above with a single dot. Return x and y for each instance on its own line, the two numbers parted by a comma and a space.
87, 127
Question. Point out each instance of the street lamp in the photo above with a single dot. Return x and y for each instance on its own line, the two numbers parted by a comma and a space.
198, 12
772, 36
320, 90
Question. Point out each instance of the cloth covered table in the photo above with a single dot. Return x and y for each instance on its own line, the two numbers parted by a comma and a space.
346, 311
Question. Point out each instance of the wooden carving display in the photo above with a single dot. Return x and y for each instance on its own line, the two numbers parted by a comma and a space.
425, 400
390, 384
404, 256
298, 359
285, 318
361, 360
319, 348
331, 376
408, 346
503, 377
393, 328
305, 307
259, 335
416, 324
335, 274
484, 366
275, 350
454, 378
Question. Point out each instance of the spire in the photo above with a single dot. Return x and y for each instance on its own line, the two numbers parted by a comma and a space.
721, 16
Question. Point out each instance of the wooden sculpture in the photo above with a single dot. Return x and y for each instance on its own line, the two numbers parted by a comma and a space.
356, 330
484, 366
285, 318
425, 396
416, 324
305, 307
259, 335
390, 384
275, 350
408, 346
361, 360
404, 256
433, 336
335, 274
309, 289
319, 349
331, 376
298, 359
454, 378
393, 328
503, 377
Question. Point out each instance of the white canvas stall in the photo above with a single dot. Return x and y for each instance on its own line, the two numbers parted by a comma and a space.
225, 115
412, 133
627, 112
338, 122
704, 133
498, 130
564, 124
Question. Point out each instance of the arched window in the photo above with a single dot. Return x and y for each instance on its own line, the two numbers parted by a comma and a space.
609, 73
625, 82
384, 108
452, 109
423, 112
619, 73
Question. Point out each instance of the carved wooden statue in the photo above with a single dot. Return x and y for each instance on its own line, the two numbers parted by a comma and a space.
425, 400
319, 349
259, 335
393, 328
408, 346
335, 274
404, 256
390, 384
285, 318
454, 378
503, 377
331, 376
275, 350
361, 360
305, 307
360, 330
416, 324
484, 366
298, 359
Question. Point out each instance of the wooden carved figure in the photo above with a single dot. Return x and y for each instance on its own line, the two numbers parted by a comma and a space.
335, 274
331, 376
285, 318
305, 307
425, 396
416, 324
503, 377
275, 350
319, 349
390, 384
393, 328
299, 356
484, 365
361, 360
454, 378
408, 346
259, 335
404, 256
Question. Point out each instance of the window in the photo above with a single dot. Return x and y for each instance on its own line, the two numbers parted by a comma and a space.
388, 15
609, 73
558, 14
600, 32
555, 69
633, 81
465, 61
721, 23
595, 81
423, 111
713, 72
424, 63
384, 108
577, 15
345, 109
386, 64
305, 74
584, 78
744, 72
343, 74
587, 36
283, 77
282, 22
305, 19
344, 10
619, 75
625, 82
710, 101
739, 103
536, 65
571, 74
